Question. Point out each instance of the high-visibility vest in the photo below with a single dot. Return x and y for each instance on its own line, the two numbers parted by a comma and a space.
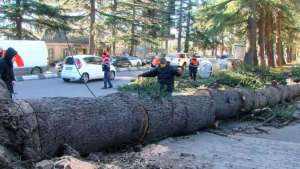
155, 61
194, 61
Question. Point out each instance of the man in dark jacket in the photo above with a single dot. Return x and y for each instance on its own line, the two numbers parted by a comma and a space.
165, 75
7, 70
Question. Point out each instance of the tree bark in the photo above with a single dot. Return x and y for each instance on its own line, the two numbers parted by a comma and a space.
92, 27
289, 54
269, 38
114, 32
132, 40
188, 27
222, 43
37, 128
18, 19
180, 26
279, 46
261, 37
251, 54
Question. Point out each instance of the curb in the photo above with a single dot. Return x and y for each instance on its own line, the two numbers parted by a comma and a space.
132, 69
54, 75
36, 77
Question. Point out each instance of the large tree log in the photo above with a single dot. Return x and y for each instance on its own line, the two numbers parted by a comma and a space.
38, 128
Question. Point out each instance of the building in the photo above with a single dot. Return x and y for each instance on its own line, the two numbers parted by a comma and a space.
59, 46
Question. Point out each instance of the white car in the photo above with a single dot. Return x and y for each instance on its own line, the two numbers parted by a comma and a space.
32, 55
178, 59
135, 61
84, 68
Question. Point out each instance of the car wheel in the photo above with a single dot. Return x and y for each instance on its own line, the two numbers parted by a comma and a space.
66, 80
85, 78
112, 75
138, 64
36, 71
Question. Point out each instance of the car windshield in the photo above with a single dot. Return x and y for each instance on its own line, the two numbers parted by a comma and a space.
92, 60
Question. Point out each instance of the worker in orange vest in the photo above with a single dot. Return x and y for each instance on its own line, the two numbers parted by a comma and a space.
155, 62
193, 68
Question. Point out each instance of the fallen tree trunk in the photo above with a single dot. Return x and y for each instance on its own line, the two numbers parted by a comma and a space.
38, 128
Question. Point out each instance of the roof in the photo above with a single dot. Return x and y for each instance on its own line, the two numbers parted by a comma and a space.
60, 37
81, 56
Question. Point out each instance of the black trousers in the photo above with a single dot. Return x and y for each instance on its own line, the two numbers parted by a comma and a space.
193, 73
166, 89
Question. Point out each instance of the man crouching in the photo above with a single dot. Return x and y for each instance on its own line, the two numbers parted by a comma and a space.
165, 75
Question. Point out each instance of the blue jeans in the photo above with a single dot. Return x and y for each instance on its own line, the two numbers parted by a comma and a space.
107, 79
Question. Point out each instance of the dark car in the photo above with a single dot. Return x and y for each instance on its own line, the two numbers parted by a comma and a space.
121, 62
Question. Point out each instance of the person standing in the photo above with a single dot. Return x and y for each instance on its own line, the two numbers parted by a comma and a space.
106, 70
1, 52
193, 68
165, 75
7, 70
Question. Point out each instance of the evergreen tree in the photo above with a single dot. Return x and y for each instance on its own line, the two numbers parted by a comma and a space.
25, 19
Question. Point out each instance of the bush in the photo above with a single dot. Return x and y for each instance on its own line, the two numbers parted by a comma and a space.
143, 87
295, 72
233, 79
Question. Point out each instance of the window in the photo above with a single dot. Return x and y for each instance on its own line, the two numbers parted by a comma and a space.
92, 60
181, 55
66, 52
51, 53
69, 61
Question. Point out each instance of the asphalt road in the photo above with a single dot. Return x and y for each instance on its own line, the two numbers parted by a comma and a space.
57, 88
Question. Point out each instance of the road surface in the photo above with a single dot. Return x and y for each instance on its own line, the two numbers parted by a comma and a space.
57, 88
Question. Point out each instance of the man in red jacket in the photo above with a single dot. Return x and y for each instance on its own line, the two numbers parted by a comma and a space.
106, 69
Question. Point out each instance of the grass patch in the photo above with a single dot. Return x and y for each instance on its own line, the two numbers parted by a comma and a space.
142, 86
242, 76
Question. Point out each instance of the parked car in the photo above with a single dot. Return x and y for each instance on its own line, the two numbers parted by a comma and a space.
135, 61
59, 66
32, 55
200, 58
122, 62
147, 60
84, 68
178, 59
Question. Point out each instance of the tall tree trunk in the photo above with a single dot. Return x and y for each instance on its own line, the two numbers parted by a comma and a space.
251, 54
261, 37
133, 40
279, 46
269, 38
114, 9
92, 27
188, 28
19, 19
180, 26
171, 11
167, 45
289, 53
222, 43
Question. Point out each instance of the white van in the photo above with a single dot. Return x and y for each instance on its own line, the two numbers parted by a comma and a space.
33, 55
